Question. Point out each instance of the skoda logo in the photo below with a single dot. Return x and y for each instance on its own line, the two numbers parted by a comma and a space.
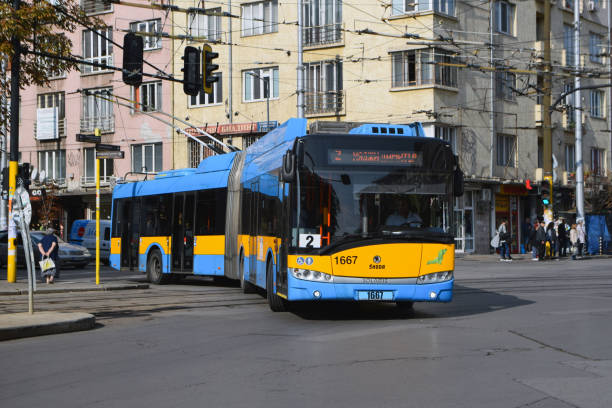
376, 259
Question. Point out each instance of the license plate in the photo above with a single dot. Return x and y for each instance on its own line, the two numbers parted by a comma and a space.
375, 295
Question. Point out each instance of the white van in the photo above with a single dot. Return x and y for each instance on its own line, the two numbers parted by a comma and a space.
83, 232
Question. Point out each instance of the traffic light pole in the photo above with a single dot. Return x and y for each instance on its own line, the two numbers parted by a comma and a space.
547, 120
97, 221
11, 260
578, 120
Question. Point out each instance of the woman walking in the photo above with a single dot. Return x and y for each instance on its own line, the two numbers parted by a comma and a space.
49, 247
574, 241
504, 240
581, 237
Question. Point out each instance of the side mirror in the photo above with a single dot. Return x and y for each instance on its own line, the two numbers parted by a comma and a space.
287, 171
457, 183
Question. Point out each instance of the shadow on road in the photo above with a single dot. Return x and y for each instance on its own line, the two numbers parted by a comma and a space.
467, 301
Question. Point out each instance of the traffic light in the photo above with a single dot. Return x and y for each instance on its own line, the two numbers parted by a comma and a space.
558, 197
209, 77
23, 173
545, 190
191, 71
132, 59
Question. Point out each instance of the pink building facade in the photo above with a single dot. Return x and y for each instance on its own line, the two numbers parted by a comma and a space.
51, 117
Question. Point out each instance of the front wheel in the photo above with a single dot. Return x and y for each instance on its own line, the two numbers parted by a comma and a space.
154, 269
276, 303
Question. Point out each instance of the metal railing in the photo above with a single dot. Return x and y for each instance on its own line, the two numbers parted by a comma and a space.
61, 128
323, 102
105, 123
321, 35
96, 6
91, 180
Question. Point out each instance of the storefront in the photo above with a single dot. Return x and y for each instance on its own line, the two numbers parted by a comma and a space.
507, 206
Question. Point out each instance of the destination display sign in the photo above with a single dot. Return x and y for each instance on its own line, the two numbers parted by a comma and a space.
109, 155
375, 157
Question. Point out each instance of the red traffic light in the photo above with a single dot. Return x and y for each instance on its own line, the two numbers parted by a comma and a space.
528, 184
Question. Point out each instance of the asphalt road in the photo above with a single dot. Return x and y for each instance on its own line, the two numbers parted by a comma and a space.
521, 334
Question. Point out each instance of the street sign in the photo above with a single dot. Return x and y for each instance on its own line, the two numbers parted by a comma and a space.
88, 138
109, 155
108, 147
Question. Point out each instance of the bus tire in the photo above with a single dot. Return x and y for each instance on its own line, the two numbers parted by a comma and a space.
154, 269
276, 303
247, 287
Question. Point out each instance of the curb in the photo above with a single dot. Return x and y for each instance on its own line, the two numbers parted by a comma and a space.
24, 327
68, 290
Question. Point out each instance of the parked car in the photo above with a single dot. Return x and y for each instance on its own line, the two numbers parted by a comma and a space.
69, 254
83, 232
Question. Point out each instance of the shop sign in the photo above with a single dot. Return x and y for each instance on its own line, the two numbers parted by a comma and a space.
513, 189
237, 128
502, 203
266, 126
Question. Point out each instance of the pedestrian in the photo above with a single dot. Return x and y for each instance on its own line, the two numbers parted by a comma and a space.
49, 247
574, 241
504, 240
527, 229
581, 236
541, 240
551, 238
562, 238
533, 243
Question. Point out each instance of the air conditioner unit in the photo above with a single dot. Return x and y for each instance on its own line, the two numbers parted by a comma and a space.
539, 174
591, 6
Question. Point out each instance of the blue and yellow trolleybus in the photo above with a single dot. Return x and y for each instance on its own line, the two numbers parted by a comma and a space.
363, 215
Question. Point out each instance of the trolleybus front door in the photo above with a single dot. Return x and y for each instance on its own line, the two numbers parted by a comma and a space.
130, 234
182, 233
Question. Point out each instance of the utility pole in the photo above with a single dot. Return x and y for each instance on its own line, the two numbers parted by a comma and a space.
11, 260
578, 116
3, 147
546, 102
492, 92
300, 67
230, 67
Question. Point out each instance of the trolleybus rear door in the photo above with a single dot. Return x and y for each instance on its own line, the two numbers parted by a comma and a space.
177, 233
253, 232
188, 233
182, 233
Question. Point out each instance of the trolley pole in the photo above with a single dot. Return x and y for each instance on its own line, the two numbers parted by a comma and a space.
11, 260
97, 221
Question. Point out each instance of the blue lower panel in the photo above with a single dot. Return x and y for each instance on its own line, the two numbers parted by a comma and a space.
208, 265
115, 261
303, 290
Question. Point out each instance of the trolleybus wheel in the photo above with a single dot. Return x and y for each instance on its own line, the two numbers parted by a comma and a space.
277, 304
154, 269
405, 307
247, 287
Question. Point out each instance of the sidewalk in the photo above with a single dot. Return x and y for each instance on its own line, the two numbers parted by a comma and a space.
20, 325
515, 257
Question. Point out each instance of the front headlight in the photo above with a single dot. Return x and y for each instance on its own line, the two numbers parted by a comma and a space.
63, 253
86, 252
306, 274
435, 277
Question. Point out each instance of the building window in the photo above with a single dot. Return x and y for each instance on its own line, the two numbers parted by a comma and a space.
422, 67
150, 96
96, 6
598, 161
595, 48
448, 134
204, 99
506, 147
568, 44
597, 104
506, 85
147, 158
399, 7
205, 25
259, 18
44, 103
504, 16
89, 167
322, 22
254, 81
568, 4
150, 42
53, 163
97, 47
570, 158
323, 87
97, 110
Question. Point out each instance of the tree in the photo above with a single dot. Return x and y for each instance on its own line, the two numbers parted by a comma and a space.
41, 26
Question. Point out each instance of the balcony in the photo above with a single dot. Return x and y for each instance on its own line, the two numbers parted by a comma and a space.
90, 181
96, 6
322, 35
104, 123
61, 129
328, 102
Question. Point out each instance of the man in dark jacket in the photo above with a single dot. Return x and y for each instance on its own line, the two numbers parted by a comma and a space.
562, 238
541, 241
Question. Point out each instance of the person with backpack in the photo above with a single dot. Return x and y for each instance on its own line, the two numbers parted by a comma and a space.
551, 238
541, 241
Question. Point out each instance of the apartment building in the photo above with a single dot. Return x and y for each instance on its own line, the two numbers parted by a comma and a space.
78, 102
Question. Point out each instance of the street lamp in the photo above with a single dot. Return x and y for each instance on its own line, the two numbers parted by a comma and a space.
266, 92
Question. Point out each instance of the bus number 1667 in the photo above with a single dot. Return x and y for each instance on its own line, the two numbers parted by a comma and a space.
345, 260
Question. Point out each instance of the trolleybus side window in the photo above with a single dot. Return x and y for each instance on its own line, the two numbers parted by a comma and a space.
210, 212
155, 210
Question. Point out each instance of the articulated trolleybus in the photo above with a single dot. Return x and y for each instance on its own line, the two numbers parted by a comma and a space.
361, 215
